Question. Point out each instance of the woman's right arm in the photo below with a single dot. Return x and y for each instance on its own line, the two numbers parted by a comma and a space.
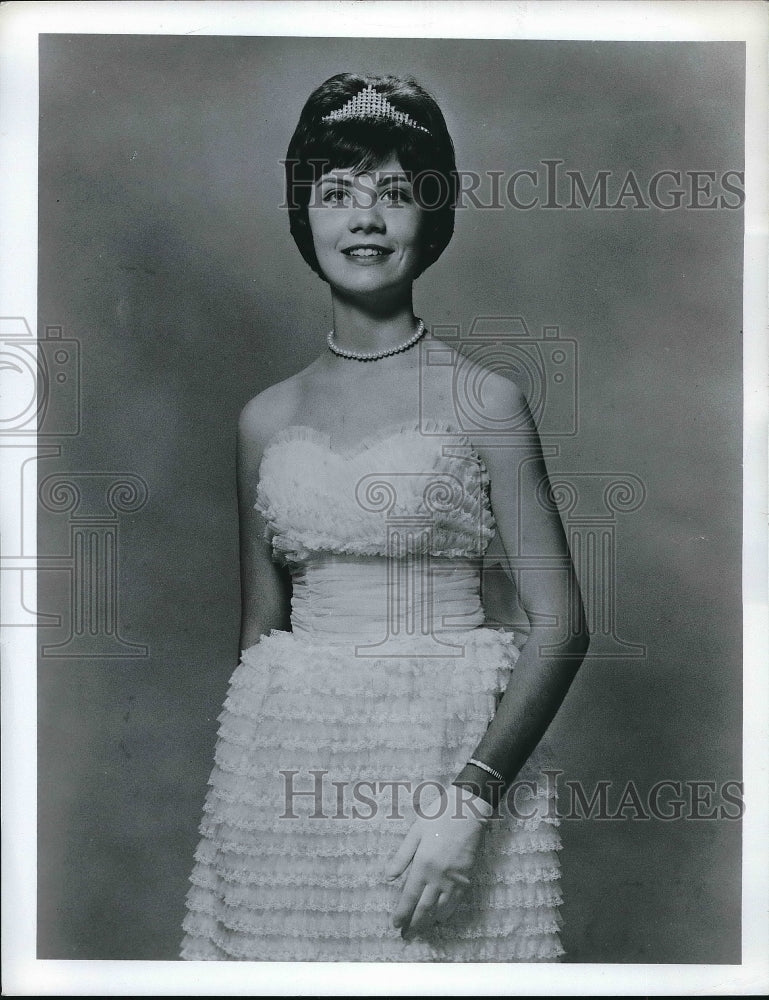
265, 586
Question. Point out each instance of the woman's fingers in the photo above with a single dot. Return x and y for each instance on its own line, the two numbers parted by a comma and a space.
410, 896
438, 861
423, 904
423, 911
402, 857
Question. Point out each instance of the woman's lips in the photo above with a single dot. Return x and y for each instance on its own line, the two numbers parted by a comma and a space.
367, 254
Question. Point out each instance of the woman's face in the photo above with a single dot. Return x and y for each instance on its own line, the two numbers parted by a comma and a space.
367, 230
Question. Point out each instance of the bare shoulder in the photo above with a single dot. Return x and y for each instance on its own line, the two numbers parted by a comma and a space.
502, 399
490, 394
269, 411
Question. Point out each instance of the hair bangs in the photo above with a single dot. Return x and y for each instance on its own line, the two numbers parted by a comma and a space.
362, 146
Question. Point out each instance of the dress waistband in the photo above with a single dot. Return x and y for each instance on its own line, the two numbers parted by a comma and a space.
375, 601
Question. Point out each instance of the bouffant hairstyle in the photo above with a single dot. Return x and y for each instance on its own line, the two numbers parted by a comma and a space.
318, 146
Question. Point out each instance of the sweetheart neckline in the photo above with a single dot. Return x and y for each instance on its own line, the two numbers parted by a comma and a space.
424, 428
427, 430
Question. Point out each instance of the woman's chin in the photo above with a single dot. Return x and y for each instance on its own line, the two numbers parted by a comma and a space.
371, 283
370, 292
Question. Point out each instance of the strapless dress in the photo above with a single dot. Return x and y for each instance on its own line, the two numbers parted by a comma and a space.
331, 733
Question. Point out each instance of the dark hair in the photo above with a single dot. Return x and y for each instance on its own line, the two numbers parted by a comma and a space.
317, 146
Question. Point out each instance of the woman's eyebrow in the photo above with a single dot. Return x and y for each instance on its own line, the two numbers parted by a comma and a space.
345, 181
335, 180
392, 176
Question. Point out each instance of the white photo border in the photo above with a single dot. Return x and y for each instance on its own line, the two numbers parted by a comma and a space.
718, 20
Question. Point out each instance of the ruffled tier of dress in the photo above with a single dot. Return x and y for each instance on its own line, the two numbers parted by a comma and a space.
302, 812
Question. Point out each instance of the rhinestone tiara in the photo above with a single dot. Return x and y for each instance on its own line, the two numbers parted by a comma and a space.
369, 103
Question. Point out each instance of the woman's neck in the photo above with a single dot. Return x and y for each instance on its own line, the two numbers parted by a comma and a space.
366, 330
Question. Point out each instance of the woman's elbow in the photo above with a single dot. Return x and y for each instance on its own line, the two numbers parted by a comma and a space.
579, 634
250, 634
569, 637
578, 640
577, 645
567, 614
581, 643
253, 627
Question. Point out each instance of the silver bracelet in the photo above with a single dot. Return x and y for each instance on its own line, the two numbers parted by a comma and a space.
485, 767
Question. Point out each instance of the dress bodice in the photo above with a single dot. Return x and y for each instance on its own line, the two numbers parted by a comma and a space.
409, 488
416, 494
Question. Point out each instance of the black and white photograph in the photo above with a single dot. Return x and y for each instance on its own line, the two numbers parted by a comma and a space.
384, 564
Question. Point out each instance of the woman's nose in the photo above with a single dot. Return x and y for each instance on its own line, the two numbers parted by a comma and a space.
366, 215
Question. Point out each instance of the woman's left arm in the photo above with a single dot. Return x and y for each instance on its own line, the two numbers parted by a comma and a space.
439, 855
535, 544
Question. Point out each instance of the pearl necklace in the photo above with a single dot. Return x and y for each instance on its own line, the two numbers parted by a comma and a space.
375, 355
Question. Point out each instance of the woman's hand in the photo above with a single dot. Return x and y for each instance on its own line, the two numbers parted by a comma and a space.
439, 854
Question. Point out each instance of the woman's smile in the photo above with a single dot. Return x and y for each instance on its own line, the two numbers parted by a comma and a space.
367, 253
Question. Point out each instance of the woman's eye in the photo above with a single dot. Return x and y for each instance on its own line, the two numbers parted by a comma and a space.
334, 196
396, 196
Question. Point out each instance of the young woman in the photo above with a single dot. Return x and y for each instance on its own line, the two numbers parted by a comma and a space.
363, 803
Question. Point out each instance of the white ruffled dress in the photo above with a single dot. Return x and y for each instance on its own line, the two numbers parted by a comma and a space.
332, 734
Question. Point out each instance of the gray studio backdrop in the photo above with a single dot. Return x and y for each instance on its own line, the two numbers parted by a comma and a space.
166, 262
